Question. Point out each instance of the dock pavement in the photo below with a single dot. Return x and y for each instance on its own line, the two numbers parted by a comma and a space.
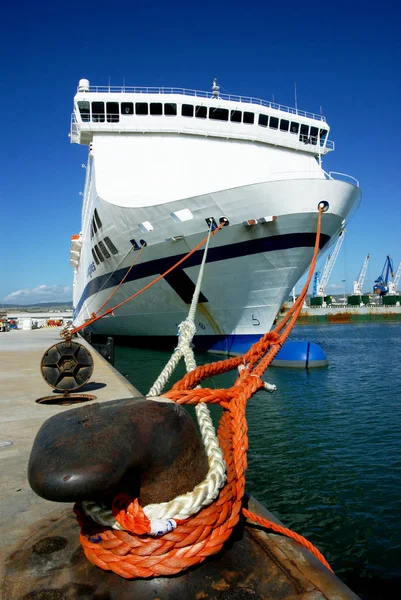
21, 384
40, 556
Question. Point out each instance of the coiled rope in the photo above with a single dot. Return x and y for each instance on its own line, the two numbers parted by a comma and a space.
136, 550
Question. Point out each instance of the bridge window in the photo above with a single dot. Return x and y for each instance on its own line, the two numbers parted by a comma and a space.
273, 124
236, 116
294, 127
249, 118
304, 136
170, 110
98, 112
284, 125
112, 111
127, 108
263, 120
94, 226
201, 112
314, 133
141, 108
156, 108
84, 110
323, 134
218, 114
187, 110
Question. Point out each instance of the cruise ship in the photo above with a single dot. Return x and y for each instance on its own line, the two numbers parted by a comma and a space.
164, 164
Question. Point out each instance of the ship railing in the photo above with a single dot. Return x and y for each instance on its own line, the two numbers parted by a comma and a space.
342, 177
74, 130
202, 94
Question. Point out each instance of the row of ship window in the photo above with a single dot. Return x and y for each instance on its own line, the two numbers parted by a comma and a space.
100, 112
99, 251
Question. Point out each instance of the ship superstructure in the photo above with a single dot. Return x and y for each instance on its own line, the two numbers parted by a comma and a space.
162, 163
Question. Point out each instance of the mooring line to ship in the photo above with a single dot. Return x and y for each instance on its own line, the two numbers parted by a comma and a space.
109, 311
111, 275
163, 516
122, 280
137, 551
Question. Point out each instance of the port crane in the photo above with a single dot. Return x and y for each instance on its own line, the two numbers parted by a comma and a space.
381, 286
358, 284
317, 278
393, 285
320, 283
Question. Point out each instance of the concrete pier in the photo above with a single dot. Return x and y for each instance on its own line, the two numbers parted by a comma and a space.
40, 554
20, 418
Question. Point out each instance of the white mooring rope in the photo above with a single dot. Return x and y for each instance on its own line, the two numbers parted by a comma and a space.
162, 516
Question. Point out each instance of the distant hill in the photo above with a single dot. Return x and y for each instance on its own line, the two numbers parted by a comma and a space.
38, 306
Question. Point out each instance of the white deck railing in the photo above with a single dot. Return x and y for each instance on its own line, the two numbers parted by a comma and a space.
341, 176
200, 94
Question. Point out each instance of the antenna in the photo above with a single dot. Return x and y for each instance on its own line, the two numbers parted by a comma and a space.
215, 89
295, 95
124, 83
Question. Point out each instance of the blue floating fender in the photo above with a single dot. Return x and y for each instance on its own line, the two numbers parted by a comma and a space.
301, 355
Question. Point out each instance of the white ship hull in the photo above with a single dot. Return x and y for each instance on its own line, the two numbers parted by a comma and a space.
250, 271
161, 162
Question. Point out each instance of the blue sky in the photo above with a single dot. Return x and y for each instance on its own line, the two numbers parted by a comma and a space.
344, 56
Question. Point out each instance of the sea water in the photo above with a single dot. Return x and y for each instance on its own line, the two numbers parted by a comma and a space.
325, 449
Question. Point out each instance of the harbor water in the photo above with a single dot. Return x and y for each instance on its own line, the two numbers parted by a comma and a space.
325, 449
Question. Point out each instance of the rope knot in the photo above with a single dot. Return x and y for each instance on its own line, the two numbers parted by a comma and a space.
129, 514
186, 331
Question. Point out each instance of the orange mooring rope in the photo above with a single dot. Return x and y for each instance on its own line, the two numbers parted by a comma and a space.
133, 553
121, 282
96, 317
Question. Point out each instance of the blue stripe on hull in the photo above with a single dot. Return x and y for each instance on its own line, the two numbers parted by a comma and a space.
160, 265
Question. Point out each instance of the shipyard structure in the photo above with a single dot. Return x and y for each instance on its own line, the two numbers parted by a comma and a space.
383, 304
